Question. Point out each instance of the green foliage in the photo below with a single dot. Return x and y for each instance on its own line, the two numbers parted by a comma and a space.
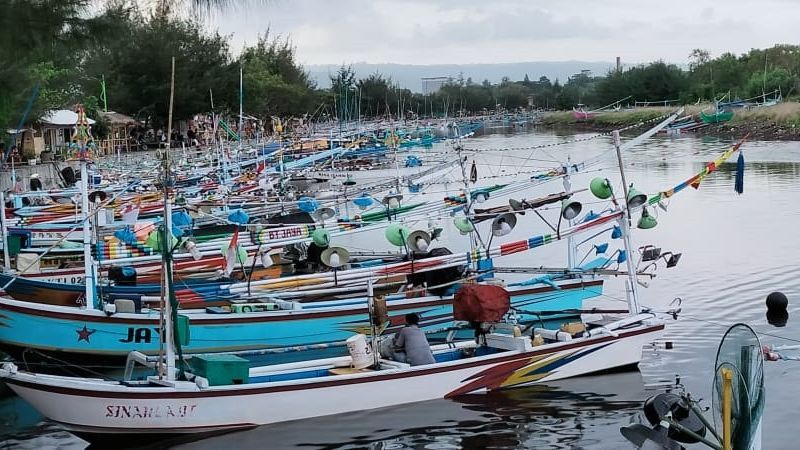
274, 84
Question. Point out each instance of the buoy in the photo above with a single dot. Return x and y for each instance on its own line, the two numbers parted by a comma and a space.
777, 302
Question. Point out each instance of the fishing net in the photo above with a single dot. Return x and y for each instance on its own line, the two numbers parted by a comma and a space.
740, 352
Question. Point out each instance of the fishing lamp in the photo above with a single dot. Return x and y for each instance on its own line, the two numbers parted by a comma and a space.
464, 225
635, 198
650, 253
96, 196
191, 246
239, 216
503, 224
307, 204
517, 205
323, 214
616, 232
335, 257
393, 200
601, 188
396, 234
363, 201
418, 241
321, 237
480, 196
599, 249
570, 208
646, 221
673, 259
349, 181
622, 256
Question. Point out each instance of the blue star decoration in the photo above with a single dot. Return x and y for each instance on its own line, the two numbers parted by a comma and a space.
83, 335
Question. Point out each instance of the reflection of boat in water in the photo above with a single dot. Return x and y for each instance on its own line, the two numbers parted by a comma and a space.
561, 415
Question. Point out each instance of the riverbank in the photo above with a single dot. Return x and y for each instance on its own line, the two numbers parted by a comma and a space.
779, 122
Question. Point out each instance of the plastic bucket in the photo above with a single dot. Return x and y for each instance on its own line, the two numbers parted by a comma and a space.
359, 351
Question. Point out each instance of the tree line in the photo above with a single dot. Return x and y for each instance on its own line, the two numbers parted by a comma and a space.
58, 53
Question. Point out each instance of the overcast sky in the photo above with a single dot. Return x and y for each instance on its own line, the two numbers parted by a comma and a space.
489, 31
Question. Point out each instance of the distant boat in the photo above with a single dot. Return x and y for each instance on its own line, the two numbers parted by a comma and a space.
716, 117
581, 114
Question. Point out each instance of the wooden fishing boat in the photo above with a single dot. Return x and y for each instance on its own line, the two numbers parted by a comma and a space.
718, 116
255, 396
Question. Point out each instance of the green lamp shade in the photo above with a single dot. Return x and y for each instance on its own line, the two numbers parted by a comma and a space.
635, 198
570, 209
155, 238
241, 253
321, 237
396, 234
600, 188
646, 221
464, 225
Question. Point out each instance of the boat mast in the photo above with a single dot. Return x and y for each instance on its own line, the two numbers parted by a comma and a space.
4, 233
89, 268
625, 225
241, 106
166, 246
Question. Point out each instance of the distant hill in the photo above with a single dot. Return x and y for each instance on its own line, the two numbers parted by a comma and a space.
409, 76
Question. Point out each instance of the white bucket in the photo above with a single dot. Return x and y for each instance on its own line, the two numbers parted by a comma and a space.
359, 351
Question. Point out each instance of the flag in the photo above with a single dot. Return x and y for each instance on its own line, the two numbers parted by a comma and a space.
232, 253
130, 212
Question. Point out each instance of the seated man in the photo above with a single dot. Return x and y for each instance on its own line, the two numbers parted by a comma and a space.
412, 341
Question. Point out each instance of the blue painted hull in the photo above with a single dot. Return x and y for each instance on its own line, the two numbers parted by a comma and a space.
74, 331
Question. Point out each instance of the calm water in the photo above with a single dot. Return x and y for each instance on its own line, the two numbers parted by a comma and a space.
736, 250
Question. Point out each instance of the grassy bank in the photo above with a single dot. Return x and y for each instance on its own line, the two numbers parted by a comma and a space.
781, 121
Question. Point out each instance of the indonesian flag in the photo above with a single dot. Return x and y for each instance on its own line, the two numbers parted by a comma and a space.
130, 212
232, 254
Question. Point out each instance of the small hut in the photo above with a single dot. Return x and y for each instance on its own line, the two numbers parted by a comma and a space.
120, 132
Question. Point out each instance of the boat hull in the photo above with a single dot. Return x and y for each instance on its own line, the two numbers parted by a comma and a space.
92, 407
82, 333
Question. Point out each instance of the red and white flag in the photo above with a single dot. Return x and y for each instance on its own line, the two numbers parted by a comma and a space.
130, 212
232, 254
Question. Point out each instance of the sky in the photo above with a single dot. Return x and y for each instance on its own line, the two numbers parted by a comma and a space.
497, 31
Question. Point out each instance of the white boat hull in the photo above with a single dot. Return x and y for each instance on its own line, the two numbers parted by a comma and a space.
89, 406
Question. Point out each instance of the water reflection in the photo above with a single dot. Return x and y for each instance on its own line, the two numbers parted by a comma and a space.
584, 412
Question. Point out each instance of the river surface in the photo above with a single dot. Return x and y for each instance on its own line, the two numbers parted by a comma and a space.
736, 250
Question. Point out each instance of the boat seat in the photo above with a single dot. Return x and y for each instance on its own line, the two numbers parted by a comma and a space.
125, 306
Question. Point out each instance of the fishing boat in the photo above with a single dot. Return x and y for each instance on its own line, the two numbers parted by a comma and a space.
718, 116
256, 396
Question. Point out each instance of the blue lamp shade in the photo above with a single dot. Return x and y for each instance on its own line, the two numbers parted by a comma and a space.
363, 201
181, 219
622, 256
616, 233
126, 235
590, 216
239, 216
602, 248
480, 196
307, 204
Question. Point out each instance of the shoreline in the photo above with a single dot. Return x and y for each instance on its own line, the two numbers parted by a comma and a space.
780, 122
